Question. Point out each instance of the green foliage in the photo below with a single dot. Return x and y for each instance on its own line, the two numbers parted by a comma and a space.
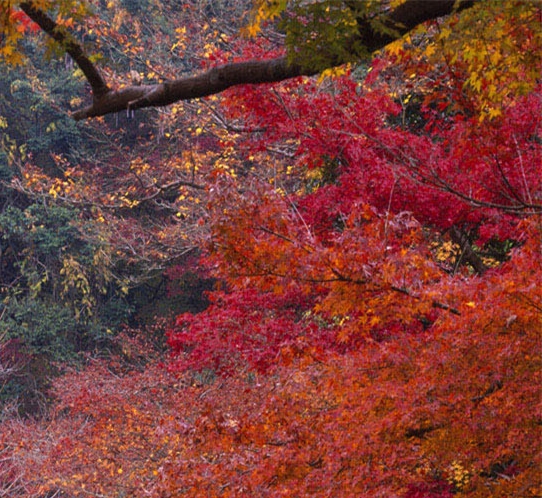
49, 257
135, 7
57, 293
5, 171
47, 230
322, 35
32, 117
53, 330
45, 328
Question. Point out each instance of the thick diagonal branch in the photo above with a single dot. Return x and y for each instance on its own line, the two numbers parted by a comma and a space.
70, 45
399, 21
214, 81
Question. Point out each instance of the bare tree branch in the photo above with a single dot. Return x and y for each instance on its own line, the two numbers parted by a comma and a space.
105, 100
467, 253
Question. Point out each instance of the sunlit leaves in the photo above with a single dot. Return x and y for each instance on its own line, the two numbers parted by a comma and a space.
264, 10
486, 57
14, 24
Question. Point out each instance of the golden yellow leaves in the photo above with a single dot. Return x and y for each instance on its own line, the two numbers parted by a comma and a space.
15, 25
493, 51
396, 3
396, 48
501, 53
264, 10
76, 102
225, 164
444, 33
430, 50
11, 33
54, 191
459, 477
334, 72
139, 166
75, 285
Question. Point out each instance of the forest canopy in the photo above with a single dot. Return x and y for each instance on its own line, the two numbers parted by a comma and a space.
319, 36
295, 251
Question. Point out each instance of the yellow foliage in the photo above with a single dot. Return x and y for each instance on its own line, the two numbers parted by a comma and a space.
334, 72
495, 49
264, 10
459, 477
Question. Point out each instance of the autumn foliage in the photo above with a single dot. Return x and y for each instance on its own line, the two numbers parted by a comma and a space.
445, 411
375, 240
